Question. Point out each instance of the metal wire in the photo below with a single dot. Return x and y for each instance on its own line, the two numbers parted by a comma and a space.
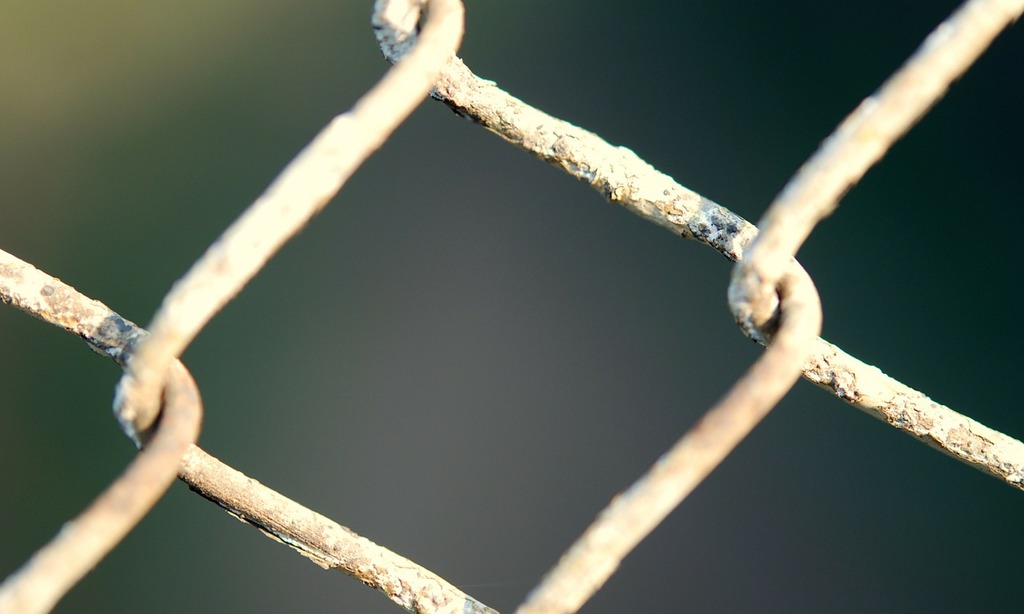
771, 296
626, 179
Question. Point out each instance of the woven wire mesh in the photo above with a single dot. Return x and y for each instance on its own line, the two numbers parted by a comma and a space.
467, 354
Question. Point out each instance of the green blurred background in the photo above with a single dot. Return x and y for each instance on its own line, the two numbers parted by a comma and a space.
468, 353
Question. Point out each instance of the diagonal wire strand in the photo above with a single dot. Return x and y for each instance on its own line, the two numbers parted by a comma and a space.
302, 189
771, 297
632, 515
857, 144
758, 283
320, 539
623, 177
82, 542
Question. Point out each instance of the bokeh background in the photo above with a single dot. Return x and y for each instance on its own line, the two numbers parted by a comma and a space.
468, 353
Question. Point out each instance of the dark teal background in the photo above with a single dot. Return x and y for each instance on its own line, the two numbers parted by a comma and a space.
469, 353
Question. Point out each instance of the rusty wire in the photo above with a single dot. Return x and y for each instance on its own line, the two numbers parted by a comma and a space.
304, 187
768, 286
626, 179
325, 542
83, 541
772, 297
632, 515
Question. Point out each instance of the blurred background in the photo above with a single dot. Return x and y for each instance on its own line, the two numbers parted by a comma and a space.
469, 353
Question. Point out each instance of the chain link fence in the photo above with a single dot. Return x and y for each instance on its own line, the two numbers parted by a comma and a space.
446, 300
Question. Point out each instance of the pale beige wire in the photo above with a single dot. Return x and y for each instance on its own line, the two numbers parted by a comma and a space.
318, 538
755, 292
625, 178
632, 515
767, 279
302, 189
857, 144
82, 542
